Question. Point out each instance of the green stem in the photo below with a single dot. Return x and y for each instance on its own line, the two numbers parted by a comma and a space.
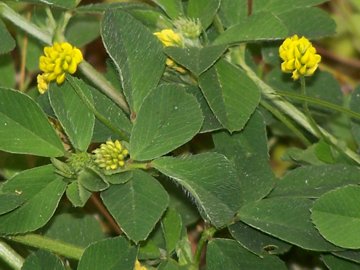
319, 102
218, 24
311, 120
205, 236
43, 242
61, 26
134, 166
106, 87
89, 72
290, 109
10, 256
99, 116
278, 114
24, 24
50, 17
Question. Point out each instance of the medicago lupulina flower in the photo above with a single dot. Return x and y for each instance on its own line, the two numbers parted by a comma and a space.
58, 59
169, 38
138, 266
299, 56
110, 155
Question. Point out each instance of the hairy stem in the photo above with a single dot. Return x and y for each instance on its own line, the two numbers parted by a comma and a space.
43, 242
10, 256
206, 235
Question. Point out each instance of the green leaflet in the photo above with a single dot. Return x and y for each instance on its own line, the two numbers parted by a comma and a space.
73, 114
136, 205
168, 118
210, 179
287, 219
232, 96
253, 28
314, 181
7, 43
101, 255
250, 157
256, 241
197, 60
204, 10
42, 190
128, 43
42, 259
25, 128
336, 215
228, 254
173, 8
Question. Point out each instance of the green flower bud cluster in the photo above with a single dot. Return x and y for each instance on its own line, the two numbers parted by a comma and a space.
110, 155
189, 28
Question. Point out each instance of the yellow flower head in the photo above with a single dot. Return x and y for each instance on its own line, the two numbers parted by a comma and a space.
169, 38
138, 266
299, 56
59, 59
110, 155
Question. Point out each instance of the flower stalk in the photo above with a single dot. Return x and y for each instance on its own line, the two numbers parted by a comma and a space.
311, 120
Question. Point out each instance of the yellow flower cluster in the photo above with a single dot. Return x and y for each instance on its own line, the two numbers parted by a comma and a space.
59, 59
138, 266
169, 38
110, 155
299, 56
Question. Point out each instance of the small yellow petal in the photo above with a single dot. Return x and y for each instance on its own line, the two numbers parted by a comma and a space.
65, 66
169, 38
60, 79
72, 67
